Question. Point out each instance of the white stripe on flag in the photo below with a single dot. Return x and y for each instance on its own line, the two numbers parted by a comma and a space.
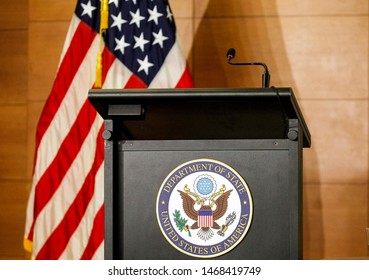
75, 21
78, 241
67, 113
117, 76
58, 205
99, 254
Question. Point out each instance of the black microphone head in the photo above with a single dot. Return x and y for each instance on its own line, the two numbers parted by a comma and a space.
231, 53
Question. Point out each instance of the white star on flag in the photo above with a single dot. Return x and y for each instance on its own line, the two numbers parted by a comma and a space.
144, 65
159, 38
169, 14
154, 15
140, 42
118, 21
88, 9
121, 44
136, 18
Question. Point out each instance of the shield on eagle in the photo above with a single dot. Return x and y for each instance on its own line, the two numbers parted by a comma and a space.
205, 217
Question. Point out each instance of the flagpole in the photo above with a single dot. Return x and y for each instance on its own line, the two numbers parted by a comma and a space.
104, 20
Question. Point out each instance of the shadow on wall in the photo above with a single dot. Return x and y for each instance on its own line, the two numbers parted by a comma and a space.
255, 31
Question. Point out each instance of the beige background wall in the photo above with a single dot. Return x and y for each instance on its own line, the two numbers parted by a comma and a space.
319, 48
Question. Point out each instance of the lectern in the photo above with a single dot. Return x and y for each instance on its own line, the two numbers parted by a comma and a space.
202, 173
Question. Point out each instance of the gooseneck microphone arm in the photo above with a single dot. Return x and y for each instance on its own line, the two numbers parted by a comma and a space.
266, 76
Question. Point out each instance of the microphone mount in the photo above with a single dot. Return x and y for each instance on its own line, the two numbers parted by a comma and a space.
265, 77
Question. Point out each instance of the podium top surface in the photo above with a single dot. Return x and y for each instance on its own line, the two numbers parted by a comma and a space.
200, 113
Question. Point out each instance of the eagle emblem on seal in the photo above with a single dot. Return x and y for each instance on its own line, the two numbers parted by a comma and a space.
205, 210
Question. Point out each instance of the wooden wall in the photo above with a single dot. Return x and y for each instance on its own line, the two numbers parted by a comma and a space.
13, 123
319, 48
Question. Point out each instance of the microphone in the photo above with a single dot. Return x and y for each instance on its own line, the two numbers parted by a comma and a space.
231, 53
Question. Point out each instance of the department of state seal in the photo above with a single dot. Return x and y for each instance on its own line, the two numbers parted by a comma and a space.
204, 208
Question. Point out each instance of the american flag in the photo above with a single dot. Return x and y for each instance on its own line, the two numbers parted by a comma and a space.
205, 218
65, 214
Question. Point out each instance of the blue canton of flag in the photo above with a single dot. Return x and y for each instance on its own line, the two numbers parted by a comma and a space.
140, 33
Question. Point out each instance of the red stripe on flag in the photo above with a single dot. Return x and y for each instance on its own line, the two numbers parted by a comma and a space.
96, 237
107, 60
186, 80
135, 82
58, 240
78, 48
52, 177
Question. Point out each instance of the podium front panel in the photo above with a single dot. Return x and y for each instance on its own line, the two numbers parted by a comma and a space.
268, 167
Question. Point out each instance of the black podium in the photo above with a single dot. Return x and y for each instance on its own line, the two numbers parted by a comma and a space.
258, 134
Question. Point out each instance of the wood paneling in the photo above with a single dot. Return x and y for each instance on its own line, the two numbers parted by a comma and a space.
327, 56
246, 8
13, 14
13, 115
303, 53
51, 10
185, 34
339, 153
13, 199
182, 9
45, 45
13, 142
335, 218
13, 70
255, 39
